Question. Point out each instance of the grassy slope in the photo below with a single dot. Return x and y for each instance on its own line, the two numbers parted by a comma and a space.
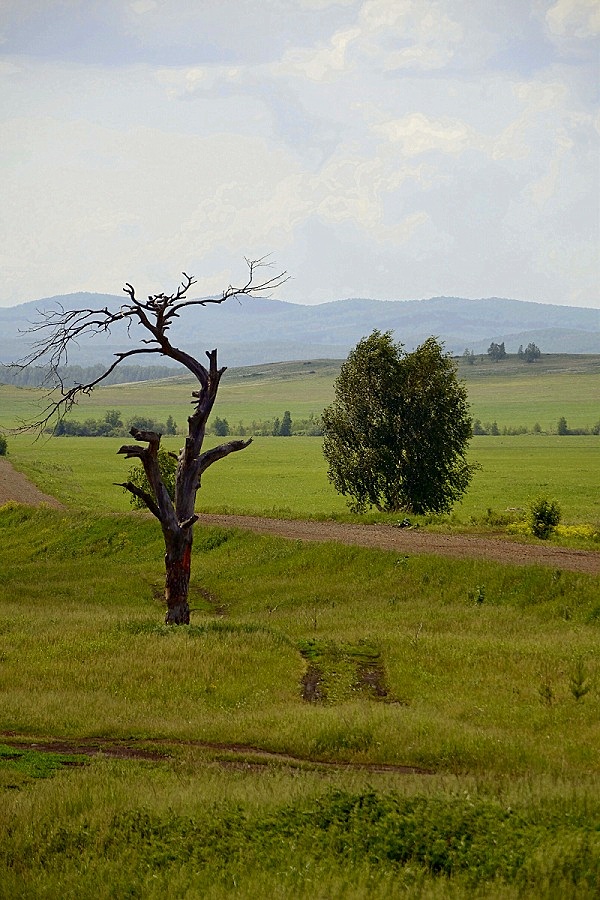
509, 393
289, 476
483, 693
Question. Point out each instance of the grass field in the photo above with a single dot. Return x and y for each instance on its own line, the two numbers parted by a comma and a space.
511, 395
288, 476
262, 745
484, 675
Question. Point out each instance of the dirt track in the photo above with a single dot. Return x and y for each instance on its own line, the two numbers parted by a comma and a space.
14, 486
407, 541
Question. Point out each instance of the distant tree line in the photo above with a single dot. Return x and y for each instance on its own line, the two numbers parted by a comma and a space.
497, 352
564, 429
277, 427
492, 428
38, 376
111, 425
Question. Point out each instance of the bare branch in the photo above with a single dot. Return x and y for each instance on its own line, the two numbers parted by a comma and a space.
189, 522
141, 495
211, 456
249, 289
151, 438
58, 330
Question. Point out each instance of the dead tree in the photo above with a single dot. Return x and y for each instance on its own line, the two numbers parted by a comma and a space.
58, 329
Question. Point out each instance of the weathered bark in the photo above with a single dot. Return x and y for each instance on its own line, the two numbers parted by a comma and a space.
60, 328
178, 559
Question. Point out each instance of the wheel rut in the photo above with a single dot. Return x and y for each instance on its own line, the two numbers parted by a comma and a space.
226, 755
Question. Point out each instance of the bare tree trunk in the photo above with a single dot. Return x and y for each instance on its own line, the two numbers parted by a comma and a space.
60, 328
178, 559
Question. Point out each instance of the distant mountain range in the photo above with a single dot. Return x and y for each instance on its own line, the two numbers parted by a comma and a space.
255, 331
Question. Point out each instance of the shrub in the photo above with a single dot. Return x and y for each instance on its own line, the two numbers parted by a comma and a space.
167, 463
3, 445
544, 516
221, 427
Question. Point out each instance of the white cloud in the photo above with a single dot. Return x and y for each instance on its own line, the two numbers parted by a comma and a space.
383, 147
426, 35
140, 7
574, 18
418, 134
324, 4
9, 68
322, 62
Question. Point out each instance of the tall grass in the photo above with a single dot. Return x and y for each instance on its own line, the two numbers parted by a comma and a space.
479, 662
464, 677
485, 676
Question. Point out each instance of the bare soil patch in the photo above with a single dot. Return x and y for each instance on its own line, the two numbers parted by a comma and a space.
15, 486
408, 542
227, 755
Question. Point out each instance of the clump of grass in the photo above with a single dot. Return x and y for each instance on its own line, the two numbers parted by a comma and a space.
19, 767
579, 684
462, 843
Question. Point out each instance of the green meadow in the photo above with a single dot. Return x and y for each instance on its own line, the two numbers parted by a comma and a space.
288, 477
336, 722
511, 394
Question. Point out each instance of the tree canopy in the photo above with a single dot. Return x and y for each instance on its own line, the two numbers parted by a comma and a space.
397, 433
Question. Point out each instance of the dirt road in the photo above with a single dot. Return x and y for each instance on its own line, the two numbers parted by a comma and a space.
14, 486
407, 541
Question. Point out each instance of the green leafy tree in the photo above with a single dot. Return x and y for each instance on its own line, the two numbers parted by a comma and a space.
221, 427
3, 445
113, 419
285, 428
396, 435
497, 351
531, 353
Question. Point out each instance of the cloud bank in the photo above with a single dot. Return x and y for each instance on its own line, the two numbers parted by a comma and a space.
385, 148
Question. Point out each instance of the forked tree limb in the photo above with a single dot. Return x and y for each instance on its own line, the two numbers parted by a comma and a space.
146, 499
59, 329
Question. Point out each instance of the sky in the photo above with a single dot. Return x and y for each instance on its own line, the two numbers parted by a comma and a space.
391, 149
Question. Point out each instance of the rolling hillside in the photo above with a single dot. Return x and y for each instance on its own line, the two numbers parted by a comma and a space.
254, 331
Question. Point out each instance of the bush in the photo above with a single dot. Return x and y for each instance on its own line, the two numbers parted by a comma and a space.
167, 463
3, 445
544, 516
221, 427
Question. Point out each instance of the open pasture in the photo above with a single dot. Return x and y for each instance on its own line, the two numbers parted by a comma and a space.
288, 476
528, 395
336, 721
484, 676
